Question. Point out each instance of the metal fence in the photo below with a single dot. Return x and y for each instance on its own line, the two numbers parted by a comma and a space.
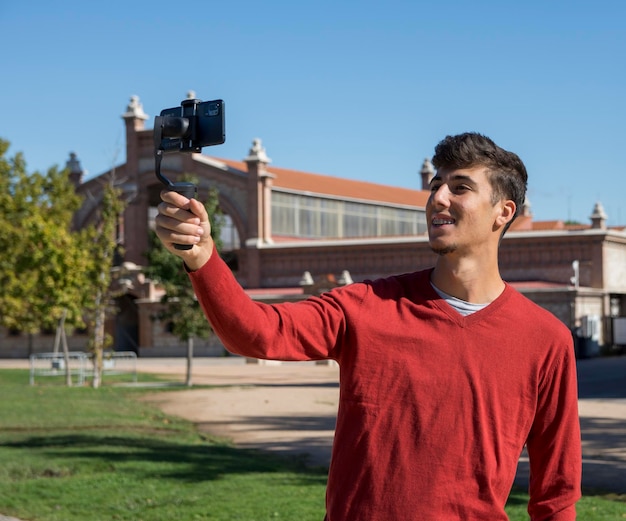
80, 365
119, 362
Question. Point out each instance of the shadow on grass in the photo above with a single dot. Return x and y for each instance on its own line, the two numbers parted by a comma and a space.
311, 442
147, 457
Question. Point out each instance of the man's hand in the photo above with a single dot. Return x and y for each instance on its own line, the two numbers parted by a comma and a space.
184, 221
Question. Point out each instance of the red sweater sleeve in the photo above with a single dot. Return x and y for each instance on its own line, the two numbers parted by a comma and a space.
307, 330
554, 447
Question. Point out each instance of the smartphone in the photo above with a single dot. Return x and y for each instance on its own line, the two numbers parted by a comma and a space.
193, 125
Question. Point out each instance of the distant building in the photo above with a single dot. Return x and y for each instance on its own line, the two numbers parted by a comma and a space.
290, 234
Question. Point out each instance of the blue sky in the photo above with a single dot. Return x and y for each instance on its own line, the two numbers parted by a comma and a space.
357, 89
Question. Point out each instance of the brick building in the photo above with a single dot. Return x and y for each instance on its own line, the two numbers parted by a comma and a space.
292, 233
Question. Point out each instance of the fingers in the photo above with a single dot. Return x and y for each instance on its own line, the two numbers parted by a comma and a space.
177, 230
198, 209
174, 201
184, 221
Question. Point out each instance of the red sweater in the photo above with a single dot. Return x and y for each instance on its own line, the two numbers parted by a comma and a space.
434, 408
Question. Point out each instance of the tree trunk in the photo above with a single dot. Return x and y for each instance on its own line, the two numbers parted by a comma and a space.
61, 338
66, 351
189, 361
66, 354
98, 344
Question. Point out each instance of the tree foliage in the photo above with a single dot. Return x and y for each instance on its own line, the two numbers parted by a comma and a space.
43, 264
49, 272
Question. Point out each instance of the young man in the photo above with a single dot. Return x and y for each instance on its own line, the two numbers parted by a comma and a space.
445, 374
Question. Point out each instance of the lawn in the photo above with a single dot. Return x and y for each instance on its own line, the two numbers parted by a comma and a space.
78, 453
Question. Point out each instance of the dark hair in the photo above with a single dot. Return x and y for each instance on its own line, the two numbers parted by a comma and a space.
508, 174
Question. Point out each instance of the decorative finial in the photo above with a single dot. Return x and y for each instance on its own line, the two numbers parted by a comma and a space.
598, 211
598, 217
76, 171
307, 279
427, 167
427, 172
134, 109
73, 164
257, 152
345, 278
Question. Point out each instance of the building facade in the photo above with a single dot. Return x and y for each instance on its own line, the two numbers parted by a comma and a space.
290, 234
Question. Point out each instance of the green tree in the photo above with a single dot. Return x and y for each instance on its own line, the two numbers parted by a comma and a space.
43, 263
180, 306
100, 241
49, 273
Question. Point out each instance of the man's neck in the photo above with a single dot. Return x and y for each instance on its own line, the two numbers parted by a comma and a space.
474, 282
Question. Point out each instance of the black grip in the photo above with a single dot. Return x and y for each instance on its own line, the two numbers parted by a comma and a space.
190, 191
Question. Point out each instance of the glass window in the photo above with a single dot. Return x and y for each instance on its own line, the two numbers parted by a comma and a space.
229, 234
318, 217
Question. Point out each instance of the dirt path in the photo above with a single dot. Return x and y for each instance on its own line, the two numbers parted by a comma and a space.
286, 409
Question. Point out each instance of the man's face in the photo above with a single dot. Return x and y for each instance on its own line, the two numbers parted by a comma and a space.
460, 212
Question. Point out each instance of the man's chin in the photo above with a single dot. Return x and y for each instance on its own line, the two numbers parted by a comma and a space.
443, 250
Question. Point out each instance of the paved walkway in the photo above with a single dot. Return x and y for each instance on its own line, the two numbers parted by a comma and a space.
290, 409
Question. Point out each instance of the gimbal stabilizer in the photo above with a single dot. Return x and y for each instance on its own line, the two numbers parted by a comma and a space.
188, 128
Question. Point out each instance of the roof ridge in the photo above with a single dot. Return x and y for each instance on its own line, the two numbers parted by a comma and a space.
325, 184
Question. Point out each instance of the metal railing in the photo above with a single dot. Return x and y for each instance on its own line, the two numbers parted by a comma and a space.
80, 365
54, 364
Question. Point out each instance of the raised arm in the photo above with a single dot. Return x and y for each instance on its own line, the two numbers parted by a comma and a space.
309, 330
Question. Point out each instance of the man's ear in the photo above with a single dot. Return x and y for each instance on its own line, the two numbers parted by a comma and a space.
507, 212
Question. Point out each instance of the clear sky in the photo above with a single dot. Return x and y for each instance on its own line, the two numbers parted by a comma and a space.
357, 89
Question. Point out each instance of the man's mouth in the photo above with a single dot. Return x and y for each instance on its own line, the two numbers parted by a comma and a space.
441, 221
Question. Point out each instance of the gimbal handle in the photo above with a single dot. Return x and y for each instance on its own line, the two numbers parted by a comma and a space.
173, 126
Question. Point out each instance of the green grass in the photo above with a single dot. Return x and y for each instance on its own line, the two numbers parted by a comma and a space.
85, 454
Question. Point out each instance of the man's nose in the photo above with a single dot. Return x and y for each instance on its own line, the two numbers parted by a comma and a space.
440, 196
